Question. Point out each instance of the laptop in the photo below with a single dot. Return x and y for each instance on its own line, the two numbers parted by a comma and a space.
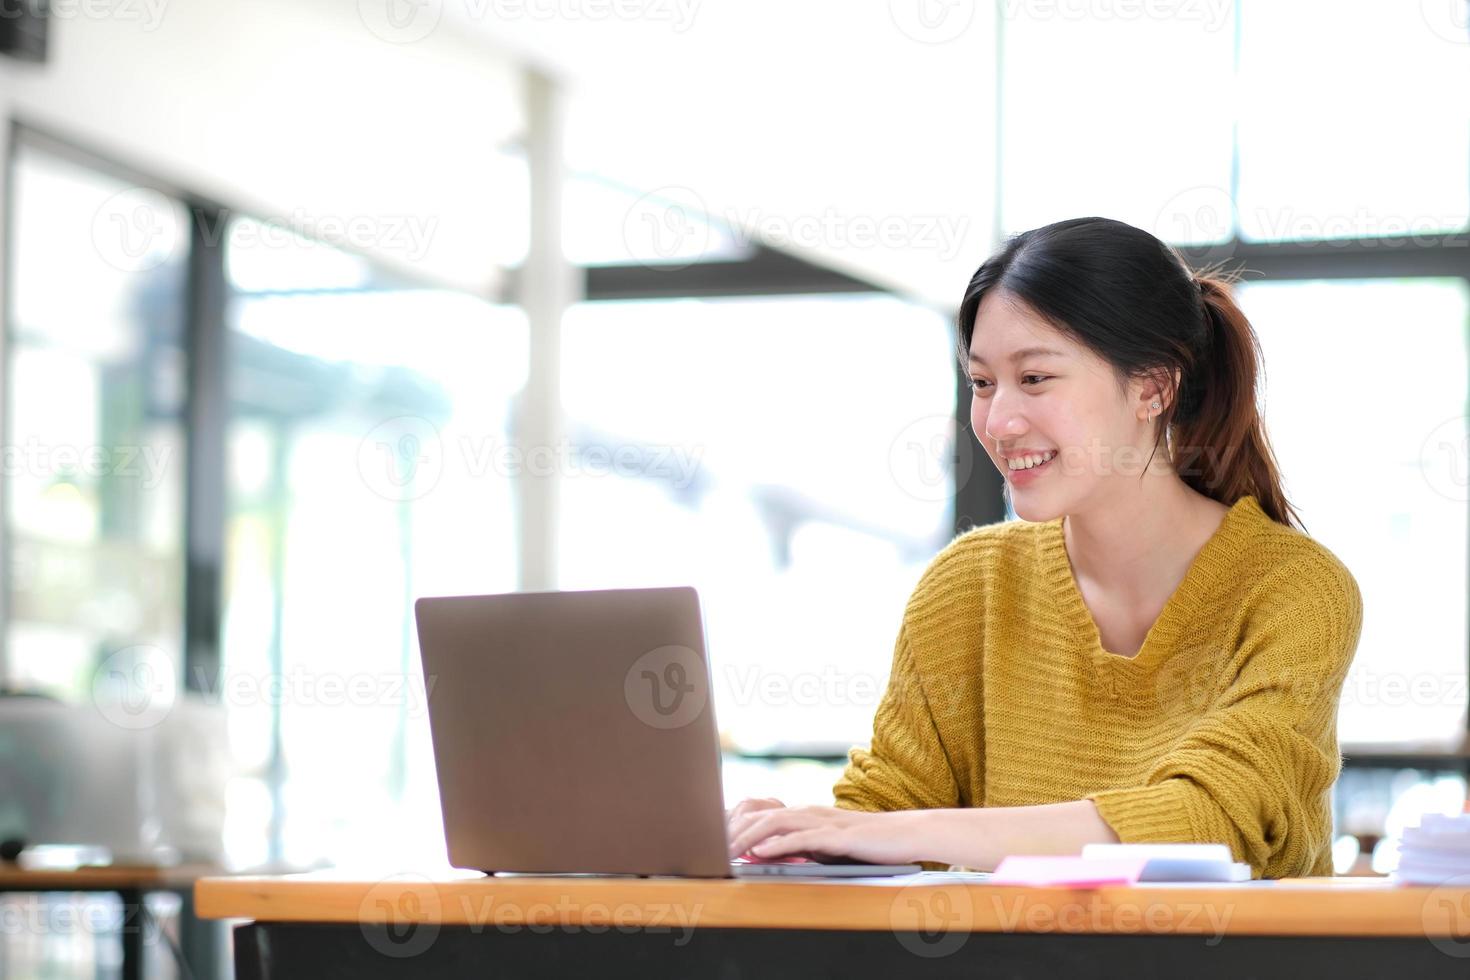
574, 733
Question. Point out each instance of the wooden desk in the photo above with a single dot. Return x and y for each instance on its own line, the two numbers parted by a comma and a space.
132, 885
14, 878
460, 925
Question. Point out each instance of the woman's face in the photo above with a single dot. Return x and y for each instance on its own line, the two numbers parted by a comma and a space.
1035, 389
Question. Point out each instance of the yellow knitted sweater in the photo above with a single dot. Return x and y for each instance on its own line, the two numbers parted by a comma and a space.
1222, 729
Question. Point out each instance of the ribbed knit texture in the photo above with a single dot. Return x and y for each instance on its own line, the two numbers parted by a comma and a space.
1222, 729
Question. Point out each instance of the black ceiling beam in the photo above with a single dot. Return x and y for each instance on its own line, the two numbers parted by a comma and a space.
766, 272
1407, 256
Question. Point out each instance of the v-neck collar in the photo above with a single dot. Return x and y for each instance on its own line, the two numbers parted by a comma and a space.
1209, 566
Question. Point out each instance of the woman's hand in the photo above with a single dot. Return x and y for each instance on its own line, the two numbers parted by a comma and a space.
770, 830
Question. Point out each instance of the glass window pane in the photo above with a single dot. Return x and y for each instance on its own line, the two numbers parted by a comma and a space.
790, 458
1365, 402
94, 448
1349, 121
1120, 110
362, 473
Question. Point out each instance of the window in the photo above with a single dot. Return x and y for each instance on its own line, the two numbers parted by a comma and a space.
364, 465
1366, 386
1335, 150
366, 434
94, 444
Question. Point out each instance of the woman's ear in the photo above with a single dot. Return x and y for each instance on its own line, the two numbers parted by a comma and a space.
1154, 387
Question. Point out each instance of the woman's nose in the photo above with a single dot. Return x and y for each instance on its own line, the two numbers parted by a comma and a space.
1002, 422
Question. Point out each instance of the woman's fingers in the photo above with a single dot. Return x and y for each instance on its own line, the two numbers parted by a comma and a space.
739, 816
750, 829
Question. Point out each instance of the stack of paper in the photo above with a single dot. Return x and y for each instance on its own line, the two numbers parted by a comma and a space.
1124, 864
1435, 851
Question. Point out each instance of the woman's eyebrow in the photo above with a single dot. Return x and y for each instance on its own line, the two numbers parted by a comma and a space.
1022, 353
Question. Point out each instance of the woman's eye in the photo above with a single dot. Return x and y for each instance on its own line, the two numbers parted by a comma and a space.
976, 383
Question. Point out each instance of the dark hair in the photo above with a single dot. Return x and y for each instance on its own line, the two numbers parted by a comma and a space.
1133, 300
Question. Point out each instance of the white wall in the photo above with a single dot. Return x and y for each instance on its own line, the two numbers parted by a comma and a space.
297, 110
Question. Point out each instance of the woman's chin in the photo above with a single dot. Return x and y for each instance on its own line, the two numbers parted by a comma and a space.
1029, 505
1035, 515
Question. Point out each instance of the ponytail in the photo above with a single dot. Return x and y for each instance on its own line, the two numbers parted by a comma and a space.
1217, 439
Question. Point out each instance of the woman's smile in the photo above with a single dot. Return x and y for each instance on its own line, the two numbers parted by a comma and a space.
1021, 475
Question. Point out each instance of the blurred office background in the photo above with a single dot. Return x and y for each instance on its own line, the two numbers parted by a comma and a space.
314, 307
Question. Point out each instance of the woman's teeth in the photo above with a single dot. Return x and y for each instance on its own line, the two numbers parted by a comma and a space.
1029, 462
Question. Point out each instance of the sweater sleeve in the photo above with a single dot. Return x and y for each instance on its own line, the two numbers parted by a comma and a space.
1255, 770
907, 767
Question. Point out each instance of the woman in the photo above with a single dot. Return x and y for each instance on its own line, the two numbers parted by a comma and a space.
1155, 651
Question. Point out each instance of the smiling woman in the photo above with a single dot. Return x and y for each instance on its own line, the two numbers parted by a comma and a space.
1155, 652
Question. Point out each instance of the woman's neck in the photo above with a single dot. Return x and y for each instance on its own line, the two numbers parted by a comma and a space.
1139, 545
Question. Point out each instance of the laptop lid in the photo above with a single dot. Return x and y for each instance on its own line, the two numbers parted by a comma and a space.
575, 732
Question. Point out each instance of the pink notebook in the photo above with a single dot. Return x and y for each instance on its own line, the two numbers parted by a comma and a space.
1068, 872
